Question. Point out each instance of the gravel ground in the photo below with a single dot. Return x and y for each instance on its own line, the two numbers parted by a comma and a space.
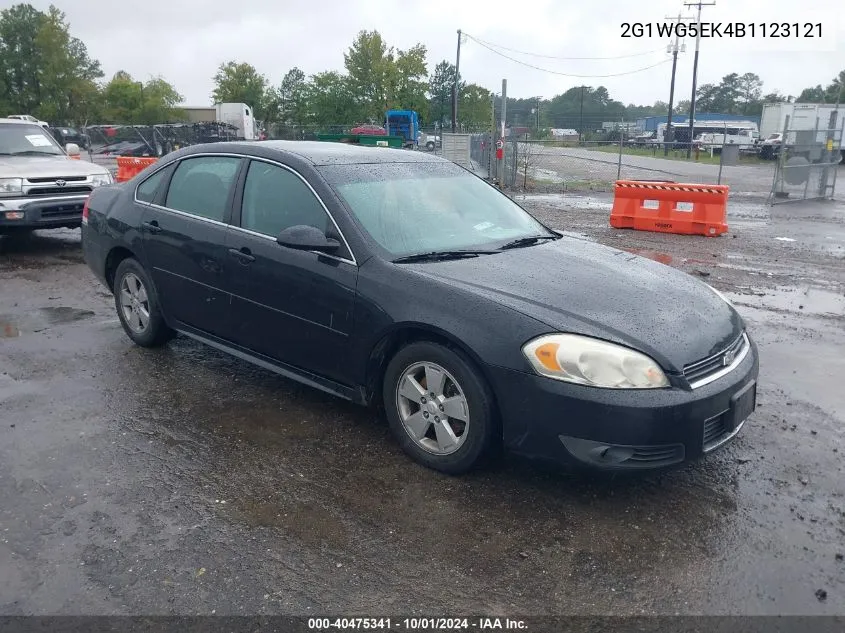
182, 481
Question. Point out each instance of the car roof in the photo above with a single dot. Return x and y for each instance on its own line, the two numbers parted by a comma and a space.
323, 153
17, 121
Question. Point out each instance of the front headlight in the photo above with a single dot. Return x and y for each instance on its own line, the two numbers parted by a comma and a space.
11, 185
101, 180
588, 361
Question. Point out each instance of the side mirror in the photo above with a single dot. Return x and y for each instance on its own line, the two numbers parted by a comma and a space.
307, 238
72, 149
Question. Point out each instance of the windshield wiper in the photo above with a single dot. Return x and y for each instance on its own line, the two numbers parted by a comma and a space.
440, 255
33, 151
528, 241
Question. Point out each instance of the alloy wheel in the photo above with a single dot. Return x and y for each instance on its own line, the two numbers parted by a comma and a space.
135, 303
433, 408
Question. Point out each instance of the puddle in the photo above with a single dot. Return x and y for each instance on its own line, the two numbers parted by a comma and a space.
663, 258
40, 320
808, 300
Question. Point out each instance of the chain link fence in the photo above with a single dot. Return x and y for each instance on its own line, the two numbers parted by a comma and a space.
807, 165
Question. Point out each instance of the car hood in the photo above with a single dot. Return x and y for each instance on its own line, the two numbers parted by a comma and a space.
573, 285
46, 166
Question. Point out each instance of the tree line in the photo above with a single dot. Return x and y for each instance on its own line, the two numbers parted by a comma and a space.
46, 72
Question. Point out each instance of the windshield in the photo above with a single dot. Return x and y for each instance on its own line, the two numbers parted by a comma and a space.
26, 139
411, 208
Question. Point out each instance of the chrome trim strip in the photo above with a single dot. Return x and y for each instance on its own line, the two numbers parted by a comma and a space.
726, 370
725, 438
353, 261
273, 239
735, 344
186, 215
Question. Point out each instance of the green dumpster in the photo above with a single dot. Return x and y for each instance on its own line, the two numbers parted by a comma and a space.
363, 139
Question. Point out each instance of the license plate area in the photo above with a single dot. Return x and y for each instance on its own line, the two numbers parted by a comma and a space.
743, 403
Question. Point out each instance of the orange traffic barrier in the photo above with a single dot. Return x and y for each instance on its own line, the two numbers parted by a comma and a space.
653, 206
129, 166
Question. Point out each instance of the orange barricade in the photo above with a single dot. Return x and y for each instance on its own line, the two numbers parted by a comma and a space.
707, 216
129, 166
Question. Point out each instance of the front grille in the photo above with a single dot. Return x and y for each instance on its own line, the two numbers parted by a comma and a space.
72, 210
702, 369
657, 455
54, 179
714, 430
58, 191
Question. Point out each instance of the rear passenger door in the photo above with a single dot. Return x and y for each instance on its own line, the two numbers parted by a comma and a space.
291, 305
184, 235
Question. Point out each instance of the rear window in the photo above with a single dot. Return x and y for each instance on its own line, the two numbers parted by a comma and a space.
200, 186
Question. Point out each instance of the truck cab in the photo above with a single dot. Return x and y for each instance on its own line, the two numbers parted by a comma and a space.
404, 123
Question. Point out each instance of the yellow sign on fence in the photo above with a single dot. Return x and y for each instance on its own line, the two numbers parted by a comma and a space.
830, 145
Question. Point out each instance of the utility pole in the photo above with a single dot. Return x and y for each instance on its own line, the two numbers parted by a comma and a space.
581, 122
504, 127
456, 86
695, 68
674, 49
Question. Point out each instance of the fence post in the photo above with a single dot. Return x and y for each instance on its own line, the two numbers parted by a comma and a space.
621, 142
722, 154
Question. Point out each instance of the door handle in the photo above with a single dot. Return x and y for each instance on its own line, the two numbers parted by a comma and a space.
244, 255
151, 227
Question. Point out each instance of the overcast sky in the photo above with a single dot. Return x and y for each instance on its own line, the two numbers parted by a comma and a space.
185, 40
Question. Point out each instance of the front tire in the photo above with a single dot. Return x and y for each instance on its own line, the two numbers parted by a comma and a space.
439, 408
137, 305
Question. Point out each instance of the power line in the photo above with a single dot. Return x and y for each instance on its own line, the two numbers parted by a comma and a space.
514, 50
555, 72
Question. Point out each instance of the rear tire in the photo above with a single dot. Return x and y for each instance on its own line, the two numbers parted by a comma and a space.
137, 305
439, 407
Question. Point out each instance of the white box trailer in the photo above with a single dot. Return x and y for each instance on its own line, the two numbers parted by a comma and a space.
241, 116
801, 118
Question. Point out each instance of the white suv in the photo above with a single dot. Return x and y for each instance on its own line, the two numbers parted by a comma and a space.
41, 185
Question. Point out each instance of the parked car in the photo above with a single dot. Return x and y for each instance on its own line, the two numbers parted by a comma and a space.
40, 186
429, 141
29, 119
769, 147
370, 130
399, 279
65, 135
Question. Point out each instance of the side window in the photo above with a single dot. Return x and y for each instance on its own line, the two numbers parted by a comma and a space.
201, 186
146, 191
275, 199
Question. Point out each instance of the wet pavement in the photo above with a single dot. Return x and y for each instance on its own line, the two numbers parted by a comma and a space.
182, 481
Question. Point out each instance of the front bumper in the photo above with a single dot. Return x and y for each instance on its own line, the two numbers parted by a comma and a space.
620, 429
43, 212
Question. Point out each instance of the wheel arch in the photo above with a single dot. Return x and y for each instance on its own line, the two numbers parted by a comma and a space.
403, 334
115, 256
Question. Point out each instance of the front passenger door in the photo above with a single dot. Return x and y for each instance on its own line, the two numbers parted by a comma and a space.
291, 305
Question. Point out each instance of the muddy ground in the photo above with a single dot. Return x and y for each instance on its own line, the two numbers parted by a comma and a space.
181, 481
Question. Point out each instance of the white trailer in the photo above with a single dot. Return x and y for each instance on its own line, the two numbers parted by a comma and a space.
801, 117
241, 116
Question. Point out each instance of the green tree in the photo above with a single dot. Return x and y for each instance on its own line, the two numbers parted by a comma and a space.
440, 88
409, 86
750, 90
331, 99
43, 69
133, 102
812, 95
370, 64
241, 83
835, 92
291, 96
475, 108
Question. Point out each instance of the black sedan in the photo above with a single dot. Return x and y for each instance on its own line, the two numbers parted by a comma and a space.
398, 279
